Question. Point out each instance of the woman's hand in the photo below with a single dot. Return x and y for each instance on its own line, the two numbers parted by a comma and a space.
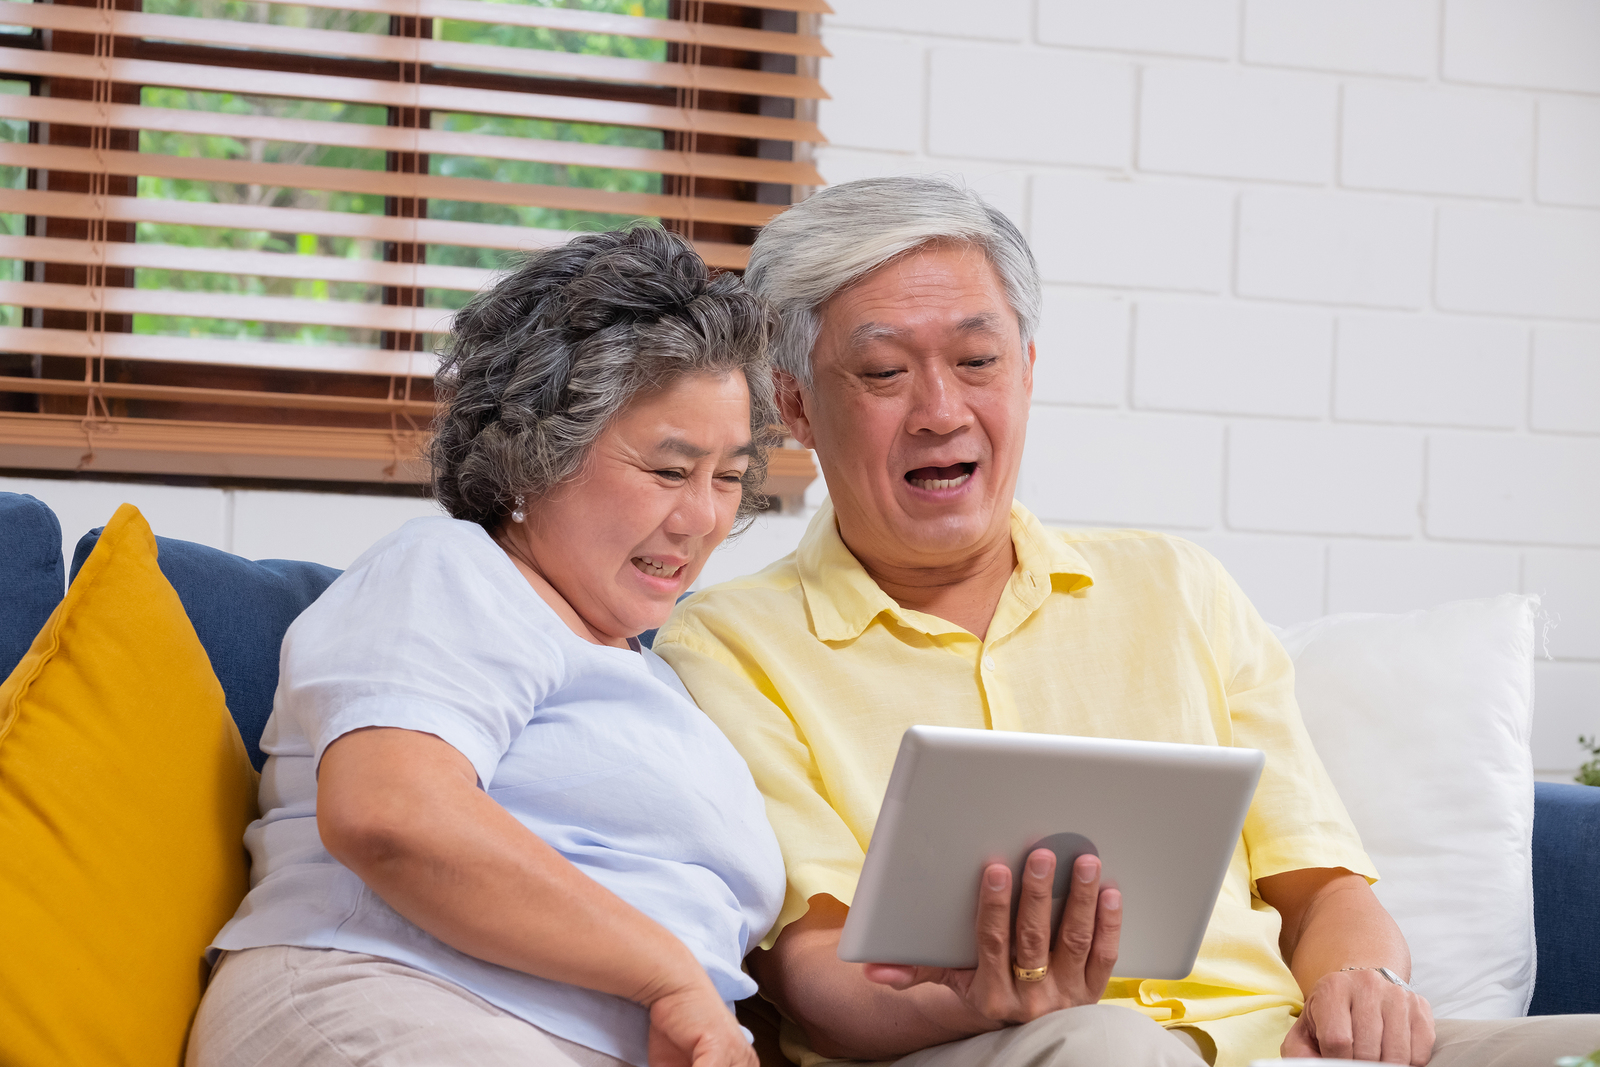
1079, 965
692, 1027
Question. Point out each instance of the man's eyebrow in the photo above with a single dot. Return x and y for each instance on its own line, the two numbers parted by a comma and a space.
868, 332
983, 322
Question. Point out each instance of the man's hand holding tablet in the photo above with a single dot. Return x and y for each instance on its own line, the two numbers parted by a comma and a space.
1021, 975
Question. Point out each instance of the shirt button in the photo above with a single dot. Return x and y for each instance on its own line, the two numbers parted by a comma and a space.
988, 663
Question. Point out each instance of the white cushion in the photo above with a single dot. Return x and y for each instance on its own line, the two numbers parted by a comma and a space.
1423, 722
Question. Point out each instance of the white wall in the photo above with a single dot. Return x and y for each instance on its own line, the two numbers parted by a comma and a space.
1323, 293
1323, 279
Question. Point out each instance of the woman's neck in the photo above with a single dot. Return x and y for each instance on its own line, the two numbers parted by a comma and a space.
528, 566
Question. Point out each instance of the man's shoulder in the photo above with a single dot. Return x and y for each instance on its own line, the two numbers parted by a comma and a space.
767, 601
1112, 550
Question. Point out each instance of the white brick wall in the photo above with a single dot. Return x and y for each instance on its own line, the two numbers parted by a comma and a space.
1322, 280
1322, 293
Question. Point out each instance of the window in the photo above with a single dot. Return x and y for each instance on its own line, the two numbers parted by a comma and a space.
233, 231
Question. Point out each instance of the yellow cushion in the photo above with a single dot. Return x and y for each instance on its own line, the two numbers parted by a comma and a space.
124, 795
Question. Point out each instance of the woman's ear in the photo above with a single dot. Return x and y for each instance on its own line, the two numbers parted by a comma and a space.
793, 399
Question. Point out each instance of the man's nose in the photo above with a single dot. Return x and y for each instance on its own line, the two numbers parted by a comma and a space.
937, 404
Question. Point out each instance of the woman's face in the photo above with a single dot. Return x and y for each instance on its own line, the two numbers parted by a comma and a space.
622, 540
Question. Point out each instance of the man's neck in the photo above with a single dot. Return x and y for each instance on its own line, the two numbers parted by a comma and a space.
964, 591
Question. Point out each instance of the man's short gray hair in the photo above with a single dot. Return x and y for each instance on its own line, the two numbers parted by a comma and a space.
841, 233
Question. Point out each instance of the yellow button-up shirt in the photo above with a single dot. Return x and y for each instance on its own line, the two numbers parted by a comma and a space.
814, 673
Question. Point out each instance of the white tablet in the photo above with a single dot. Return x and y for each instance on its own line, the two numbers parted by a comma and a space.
1163, 818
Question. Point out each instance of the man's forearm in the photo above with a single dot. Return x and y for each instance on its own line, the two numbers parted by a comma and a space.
845, 1016
1333, 925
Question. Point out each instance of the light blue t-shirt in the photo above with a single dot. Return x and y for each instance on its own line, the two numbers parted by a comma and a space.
597, 750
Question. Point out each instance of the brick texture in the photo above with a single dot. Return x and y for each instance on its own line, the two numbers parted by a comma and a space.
1538, 44
1082, 348
1232, 358
1537, 490
1428, 140
1322, 279
1442, 371
1177, 27
1569, 151
1566, 379
1519, 261
1311, 478
1328, 248
1398, 37
1144, 234
983, 102
1214, 189
1199, 118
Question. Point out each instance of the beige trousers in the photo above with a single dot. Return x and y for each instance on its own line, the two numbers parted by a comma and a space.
326, 1008
307, 1007
1101, 1035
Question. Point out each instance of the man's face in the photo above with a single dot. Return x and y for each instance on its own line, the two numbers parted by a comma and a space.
918, 408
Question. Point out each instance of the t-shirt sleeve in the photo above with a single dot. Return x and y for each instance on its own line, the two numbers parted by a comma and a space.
726, 679
1296, 820
427, 635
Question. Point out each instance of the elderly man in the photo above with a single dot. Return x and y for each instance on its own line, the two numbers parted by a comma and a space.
923, 593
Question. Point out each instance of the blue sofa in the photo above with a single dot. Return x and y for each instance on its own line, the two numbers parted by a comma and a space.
241, 608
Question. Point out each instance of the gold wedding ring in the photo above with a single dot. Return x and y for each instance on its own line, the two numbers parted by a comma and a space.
1030, 974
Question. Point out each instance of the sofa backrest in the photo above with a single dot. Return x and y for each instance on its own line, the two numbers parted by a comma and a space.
31, 576
240, 609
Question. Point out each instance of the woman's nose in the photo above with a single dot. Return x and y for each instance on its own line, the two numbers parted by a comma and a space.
696, 513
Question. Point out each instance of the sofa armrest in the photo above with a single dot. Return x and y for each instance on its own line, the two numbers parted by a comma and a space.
1566, 898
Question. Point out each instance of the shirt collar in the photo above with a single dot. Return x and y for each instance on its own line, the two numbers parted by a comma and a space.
844, 600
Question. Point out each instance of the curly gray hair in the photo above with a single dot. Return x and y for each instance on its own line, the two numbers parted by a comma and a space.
844, 232
539, 364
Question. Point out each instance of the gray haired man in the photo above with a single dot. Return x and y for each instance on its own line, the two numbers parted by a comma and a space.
923, 593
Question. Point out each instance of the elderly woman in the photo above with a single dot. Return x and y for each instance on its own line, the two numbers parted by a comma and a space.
495, 828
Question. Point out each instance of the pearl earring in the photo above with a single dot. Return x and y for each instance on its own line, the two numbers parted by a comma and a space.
517, 512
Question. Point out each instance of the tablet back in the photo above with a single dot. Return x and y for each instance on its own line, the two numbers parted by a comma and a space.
1165, 820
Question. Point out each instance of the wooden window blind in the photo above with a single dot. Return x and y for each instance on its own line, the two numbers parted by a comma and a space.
232, 232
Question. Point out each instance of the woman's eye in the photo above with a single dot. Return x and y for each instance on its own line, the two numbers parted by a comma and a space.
732, 476
673, 475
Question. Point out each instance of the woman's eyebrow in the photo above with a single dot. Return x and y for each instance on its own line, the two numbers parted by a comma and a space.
689, 450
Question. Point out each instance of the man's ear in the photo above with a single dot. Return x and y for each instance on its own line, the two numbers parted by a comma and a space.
1027, 373
793, 399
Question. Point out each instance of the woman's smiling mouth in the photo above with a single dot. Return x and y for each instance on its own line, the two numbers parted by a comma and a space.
941, 477
657, 569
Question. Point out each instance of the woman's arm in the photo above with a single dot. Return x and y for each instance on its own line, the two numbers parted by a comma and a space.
403, 810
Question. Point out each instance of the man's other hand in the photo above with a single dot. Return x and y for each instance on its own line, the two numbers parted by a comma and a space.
1361, 1015
1079, 964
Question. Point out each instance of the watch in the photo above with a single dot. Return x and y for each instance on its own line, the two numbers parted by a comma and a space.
1389, 975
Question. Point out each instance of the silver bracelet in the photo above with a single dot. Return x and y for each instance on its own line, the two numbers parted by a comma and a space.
1387, 973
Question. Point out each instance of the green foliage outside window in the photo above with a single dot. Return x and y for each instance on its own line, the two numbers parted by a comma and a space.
212, 147
13, 131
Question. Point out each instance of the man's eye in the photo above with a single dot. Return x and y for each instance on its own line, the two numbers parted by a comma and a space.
982, 361
882, 375
676, 475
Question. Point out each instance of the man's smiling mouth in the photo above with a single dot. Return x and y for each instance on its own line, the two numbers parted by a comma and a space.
941, 477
